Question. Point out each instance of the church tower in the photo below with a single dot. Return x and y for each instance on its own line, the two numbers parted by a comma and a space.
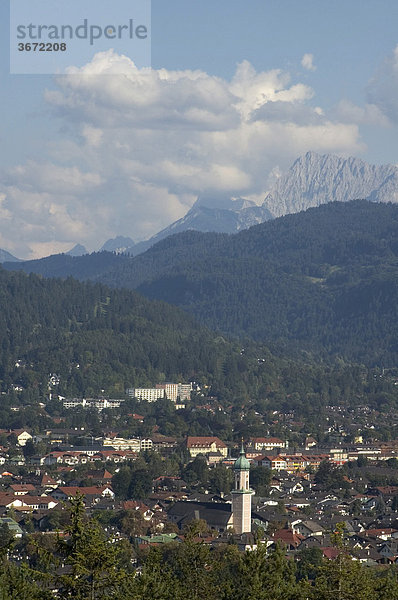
242, 495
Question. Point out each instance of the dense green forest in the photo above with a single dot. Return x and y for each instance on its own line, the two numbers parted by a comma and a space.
94, 338
325, 280
98, 341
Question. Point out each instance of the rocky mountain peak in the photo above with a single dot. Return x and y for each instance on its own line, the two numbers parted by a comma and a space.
316, 179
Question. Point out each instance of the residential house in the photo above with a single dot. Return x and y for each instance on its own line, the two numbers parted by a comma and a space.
22, 435
267, 443
276, 463
66, 492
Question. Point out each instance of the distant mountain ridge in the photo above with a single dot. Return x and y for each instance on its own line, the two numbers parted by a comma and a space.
311, 181
77, 250
7, 257
209, 214
323, 280
316, 179
118, 244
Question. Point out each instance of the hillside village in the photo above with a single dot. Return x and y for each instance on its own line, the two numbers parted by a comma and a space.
148, 489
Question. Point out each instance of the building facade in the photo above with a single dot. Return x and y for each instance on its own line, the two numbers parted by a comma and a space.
149, 394
206, 445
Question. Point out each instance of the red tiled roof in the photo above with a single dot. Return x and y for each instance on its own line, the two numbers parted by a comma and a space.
92, 490
22, 487
204, 442
100, 474
330, 552
267, 440
38, 500
378, 532
6, 498
47, 480
287, 537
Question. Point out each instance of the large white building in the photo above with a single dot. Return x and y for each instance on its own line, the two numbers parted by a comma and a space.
148, 394
173, 391
206, 445
267, 443
133, 444
97, 403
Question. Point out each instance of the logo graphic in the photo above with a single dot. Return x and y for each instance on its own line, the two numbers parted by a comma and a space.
50, 36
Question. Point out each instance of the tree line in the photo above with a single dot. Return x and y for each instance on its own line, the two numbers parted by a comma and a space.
86, 563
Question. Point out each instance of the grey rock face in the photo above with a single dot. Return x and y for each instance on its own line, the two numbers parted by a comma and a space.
314, 180
220, 215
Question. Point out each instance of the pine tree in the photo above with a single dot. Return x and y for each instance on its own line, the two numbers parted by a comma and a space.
268, 577
92, 560
156, 582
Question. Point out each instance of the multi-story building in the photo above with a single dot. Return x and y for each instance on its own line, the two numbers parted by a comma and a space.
22, 435
97, 403
276, 463
149, 394
267, 443
174, 391
117, 443
184, 391
206, 445
146, 444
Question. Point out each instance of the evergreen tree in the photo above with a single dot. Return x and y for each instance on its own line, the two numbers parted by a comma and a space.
263, 577
92, 560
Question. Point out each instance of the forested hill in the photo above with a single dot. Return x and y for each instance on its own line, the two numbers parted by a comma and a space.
83, 268
98, 339
324, 280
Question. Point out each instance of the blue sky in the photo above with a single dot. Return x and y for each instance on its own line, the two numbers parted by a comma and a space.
95, 154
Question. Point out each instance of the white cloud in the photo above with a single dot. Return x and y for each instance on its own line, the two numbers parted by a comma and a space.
383, 88
308, 62
142, 145
369, 114
54, 179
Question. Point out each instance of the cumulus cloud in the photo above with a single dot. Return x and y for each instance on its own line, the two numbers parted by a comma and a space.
369, 114
141, 145
289, 112
308, 62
